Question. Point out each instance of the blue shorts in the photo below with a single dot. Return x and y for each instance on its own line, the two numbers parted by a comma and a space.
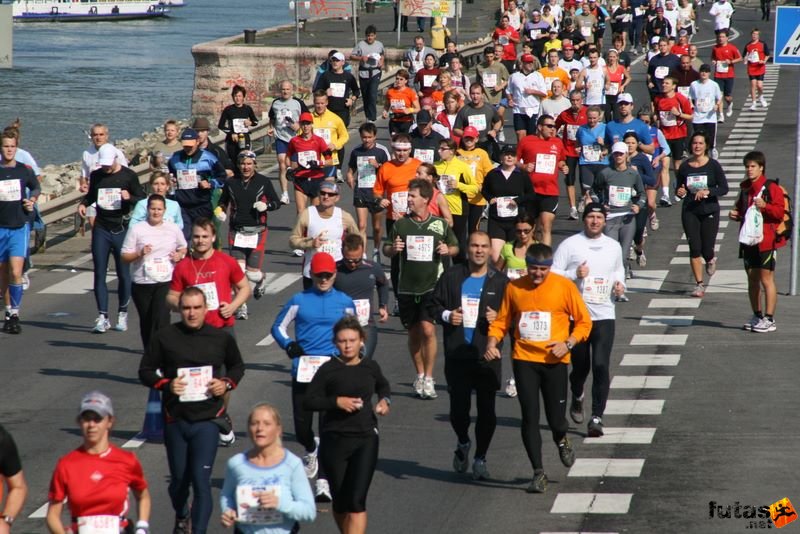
281, 146
14, 243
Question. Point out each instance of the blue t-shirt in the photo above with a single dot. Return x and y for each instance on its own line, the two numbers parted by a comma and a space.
615, 131
591, 150
471, 289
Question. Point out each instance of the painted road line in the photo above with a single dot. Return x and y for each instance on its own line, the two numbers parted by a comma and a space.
728, 281
135, 442
647, 281
41, 512
649, 360
666, 320
641, 382
606, 467
674, 303
720, 235
680, 260
278, 282
723, 224
592, 503
685, 248
724, 213
623, 436
659, 339
74, 263
80, 284
266, 342
634, 406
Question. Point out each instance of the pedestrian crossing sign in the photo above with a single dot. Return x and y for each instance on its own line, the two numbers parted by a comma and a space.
787, 36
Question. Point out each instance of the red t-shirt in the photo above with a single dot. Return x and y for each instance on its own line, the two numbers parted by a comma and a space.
673, 127
724, 53
96, 484
755, 54
216, 276
304, 150
571, 123
545, 154
680, 50
510, 48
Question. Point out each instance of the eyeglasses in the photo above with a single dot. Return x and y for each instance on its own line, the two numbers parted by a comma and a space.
523, 230
444, 148
352, 262
548, 125
90, 416
328, 194
323, 276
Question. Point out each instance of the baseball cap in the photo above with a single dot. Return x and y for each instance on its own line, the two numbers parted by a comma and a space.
471, 131
620, 147
189, 134
593, 207
322, 262
306, 117
338, 55
201, 123
527, 58
683, 33
535, 12
327, 185
568, 47
625, 97
106, 155
508, 149
424, 117
655, 40
96, 402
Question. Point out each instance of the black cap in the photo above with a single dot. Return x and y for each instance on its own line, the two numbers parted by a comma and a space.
424, 117
705, 67
593, 207
508, 149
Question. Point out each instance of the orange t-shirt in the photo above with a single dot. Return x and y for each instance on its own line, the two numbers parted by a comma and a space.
391, 183
399, 101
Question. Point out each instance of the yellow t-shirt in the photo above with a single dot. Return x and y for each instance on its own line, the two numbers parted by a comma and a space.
455, 177
480, 165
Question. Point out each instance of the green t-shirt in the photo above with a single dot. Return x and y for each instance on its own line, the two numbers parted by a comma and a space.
420, 264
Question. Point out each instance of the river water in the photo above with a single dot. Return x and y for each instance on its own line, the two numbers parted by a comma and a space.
131, 75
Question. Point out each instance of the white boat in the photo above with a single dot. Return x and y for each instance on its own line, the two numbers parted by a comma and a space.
90, 10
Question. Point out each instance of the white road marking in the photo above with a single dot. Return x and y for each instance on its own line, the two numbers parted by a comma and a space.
623, 435
646, 281
74, 263
680, 260
266, 342
728, 281
634, 406
666, 320
606, 467
592, 503
674, 303
659, 339
720, 235
641, 382
80, 284
134, 443
278, 282
685, 248
41, 512
650, 360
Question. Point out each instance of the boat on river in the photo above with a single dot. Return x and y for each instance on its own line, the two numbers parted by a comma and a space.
90, 10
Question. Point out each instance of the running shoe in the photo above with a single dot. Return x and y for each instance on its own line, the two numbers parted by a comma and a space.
339, 178
479, 470
753, 106
297, 252
654, 223
511, 388
631, 254
261, 288
396, 309
763, 101
417, 385
664, 201
322, 493
714, 153
699, 291
573, 213
26, 281
101, 325
310, 463
641, 259
762, 327
461, 457
13, 325
226, 440
122, 322
241, 313
595, 427
729, 111
285, 198
565, 452
429, 388
721, 118
754, 320
622, 298
7, 322
183, 525
538, 484
711, 266
376, 257
581, 206
576, 410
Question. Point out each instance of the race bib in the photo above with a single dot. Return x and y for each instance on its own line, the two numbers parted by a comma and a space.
362, 311
489, 80
248, 509
158, 269
470, 311
684, 90
705, 104
594, 87
591, 153
419, 248
545, 163
722, 67
187, 179
661, 72
639, 11
209, 289
397, 105
513, 274
417, 65
534, 326
238, 126
324, 133
596, 290
447, 184
425, 155
586, 31
536, 33
619, 196
338, 90
332, 247
11, 191
696, 182
428, 80
506, 207
241, 240
572, 132
399, 203
478, 121
503, 40
98, 524
366, 172
667, 118
613, 89
308, 366
305, 157
753, 57
108, 198
197, 379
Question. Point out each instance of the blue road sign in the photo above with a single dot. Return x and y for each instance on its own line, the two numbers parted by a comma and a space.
787, 36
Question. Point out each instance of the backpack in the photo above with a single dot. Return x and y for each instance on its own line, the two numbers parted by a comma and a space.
783, 231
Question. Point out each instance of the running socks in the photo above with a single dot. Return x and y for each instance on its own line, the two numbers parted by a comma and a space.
15, 294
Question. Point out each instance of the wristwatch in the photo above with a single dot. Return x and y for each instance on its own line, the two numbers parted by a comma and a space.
569, 345
9, 519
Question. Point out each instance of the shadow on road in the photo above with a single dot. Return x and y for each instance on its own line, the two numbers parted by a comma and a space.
95, 375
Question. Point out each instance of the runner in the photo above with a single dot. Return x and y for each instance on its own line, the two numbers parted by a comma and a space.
593, 80
314, 313
236, 121
99, 137
425, 139
701, 182
465, 302
115, 189
284, 122
358, 278
479, 165
370, 54
343, 390
674, 112
457, 184
159, 185
308, 154
567, 123
420, 241
265, 488
11, 475
401, 104
590, 141
95, 478
723, 58
594, 262
194, 365
525, 90
333, 131
153, 247
722, 11
539, 308
639, 161
341, 87
757, 55
660, 66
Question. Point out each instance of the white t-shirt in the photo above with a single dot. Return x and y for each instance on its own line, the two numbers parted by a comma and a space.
165, 239
722, 13
704, 97
526, 104
89, 161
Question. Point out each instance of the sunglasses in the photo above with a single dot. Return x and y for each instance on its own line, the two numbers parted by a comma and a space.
326, 194
323, 276
352, 262
90, 416
546, 125
523, 230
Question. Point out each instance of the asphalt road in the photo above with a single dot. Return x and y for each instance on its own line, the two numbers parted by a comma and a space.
700, 405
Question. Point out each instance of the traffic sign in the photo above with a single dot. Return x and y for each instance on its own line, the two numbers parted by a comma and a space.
787, 36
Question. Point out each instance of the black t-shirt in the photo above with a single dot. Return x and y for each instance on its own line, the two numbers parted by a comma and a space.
710, 176
365, 173
10, 463
105, 190
241, 196
342, 85
13, 182
234, 112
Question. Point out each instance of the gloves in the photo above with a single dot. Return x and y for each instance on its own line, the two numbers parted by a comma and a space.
260, 206
294, 350
220, 215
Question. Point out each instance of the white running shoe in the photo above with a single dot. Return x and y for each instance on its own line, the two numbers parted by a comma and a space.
297, 252
654, 223
429, 388
285, 198
714, 153
753, 106
310, 463
765, 325
754, 320
511, 388
101, 325
729, 112
322, 492
417, 385
763, 101
461, 457
226, 440
122, 322
631, 254
479, 470
241, 313
573, 213
26, 281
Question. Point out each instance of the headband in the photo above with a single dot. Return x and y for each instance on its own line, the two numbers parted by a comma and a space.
401, 146
545, 262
